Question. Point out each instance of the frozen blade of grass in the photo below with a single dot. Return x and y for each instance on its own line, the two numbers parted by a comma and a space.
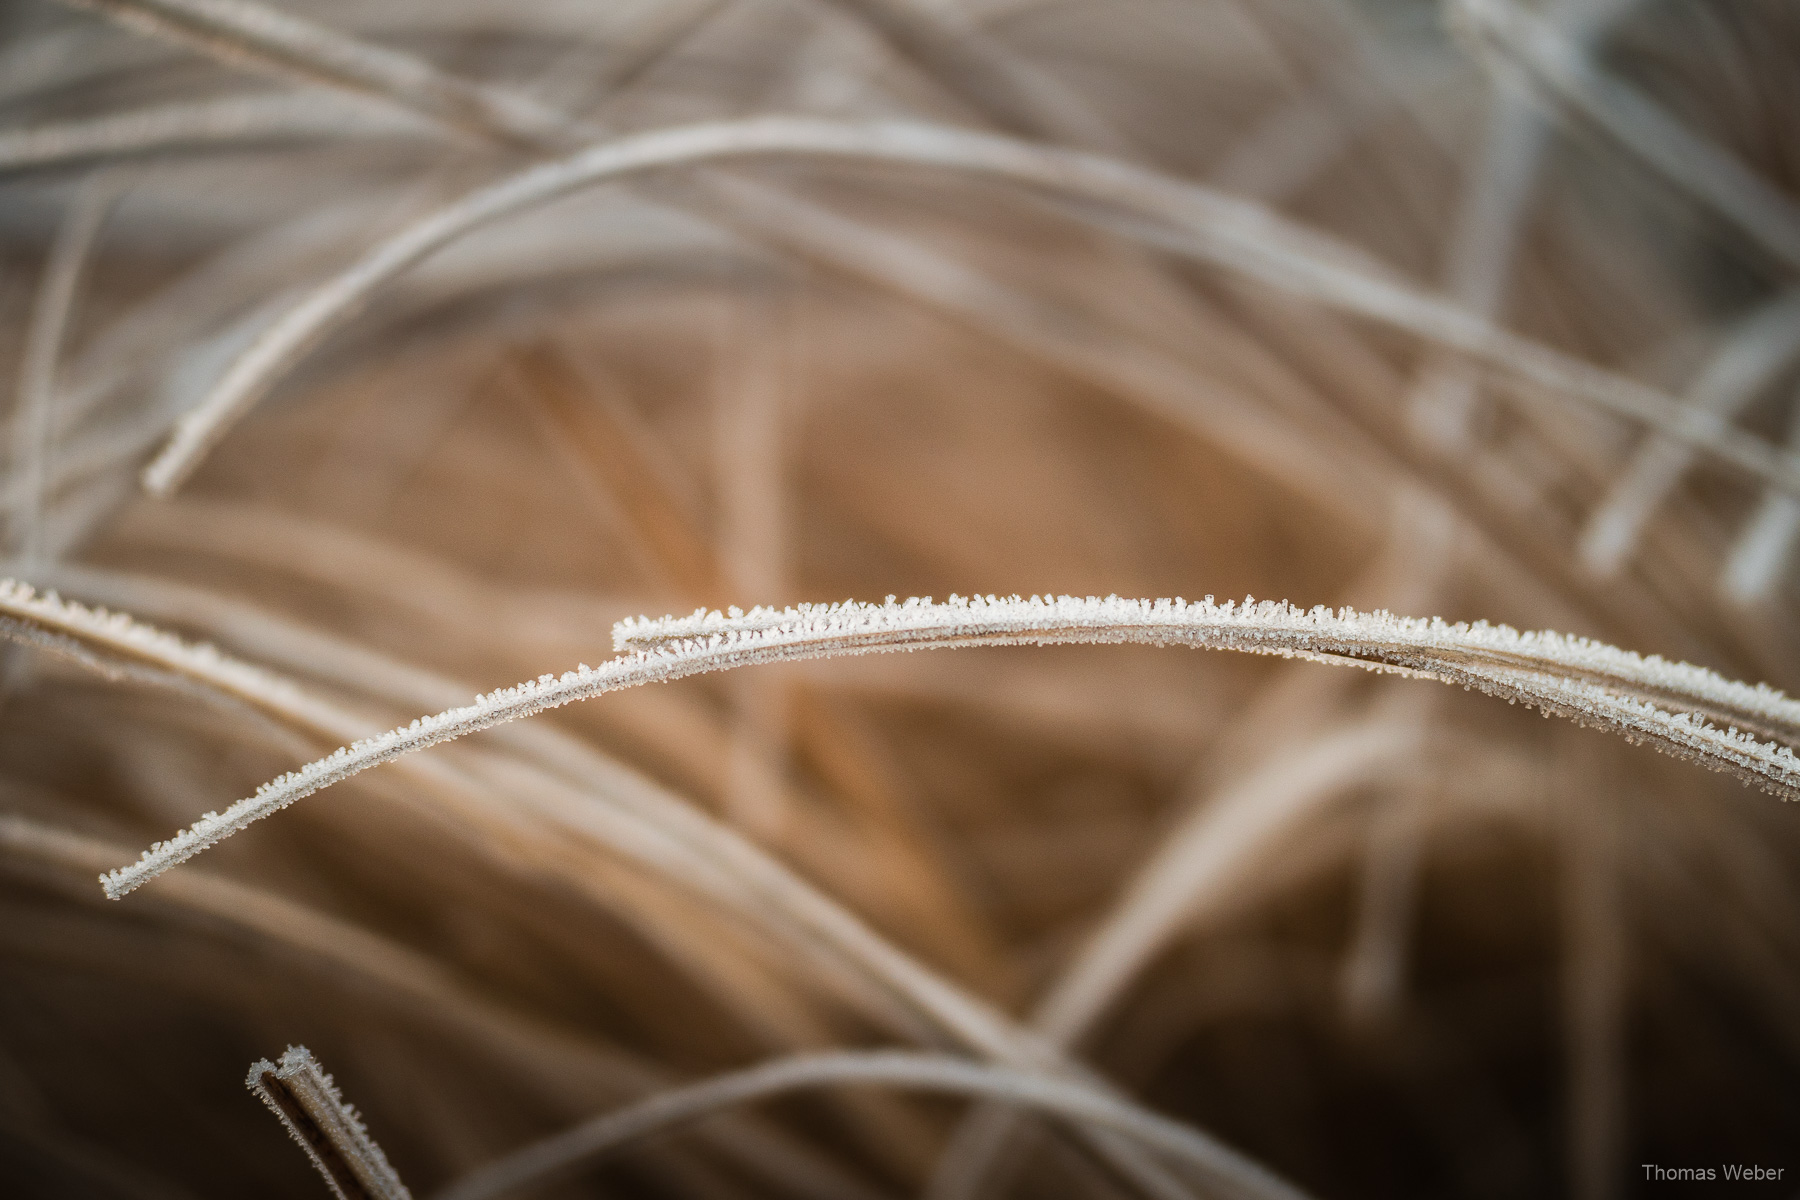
100, 639
1485, 240
36, 396
234, 120
1760, 348
1268, 627
1586, 681
635, 818
561, 1153
1194, 221
1762, 551
631, 818
1286, 150
273, 40
1636, 123
1482, 248
331, 1133
647, 826
1754, 566
983, 74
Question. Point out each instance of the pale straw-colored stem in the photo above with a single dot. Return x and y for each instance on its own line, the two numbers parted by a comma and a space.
559, 1154
1174, 215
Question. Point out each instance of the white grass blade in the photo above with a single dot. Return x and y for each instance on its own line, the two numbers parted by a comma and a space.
298, 1091
36, 396
1485, 239
272, 40
635, 818
1197, 222
553, 1157
1756, 351
642, 824
108, 641
983, 73
1569, 80
1762, 552
1378, 640
1587, 681
235, 120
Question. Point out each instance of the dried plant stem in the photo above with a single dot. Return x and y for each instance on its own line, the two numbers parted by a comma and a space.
1199, 864
1285, 449
271, 39
235, 120
331, 1133
1489, 222
1484, 242
114, 644
1595, 956
973, 67
1569, 80
540, 803
1754, 567
557, 1155
1754, 352
1586, 681
638, 821
36, 397
641, 824
1195, 221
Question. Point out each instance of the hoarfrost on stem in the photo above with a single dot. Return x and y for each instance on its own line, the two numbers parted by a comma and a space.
1679, 708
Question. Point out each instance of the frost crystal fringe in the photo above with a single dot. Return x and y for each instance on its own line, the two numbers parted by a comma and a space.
113, 643
299, 1092
1671, 705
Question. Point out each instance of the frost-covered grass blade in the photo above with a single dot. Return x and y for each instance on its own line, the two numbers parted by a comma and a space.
1673, 706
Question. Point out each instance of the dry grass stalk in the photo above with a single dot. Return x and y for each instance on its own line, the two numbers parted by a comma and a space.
483, 326
297, 1090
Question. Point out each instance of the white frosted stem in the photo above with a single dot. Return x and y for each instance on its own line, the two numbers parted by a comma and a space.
1568, 79
1756, 350
1762, 552
297, 1090
272, 40
1180, 217
234, 120
1588, 681
35, 403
